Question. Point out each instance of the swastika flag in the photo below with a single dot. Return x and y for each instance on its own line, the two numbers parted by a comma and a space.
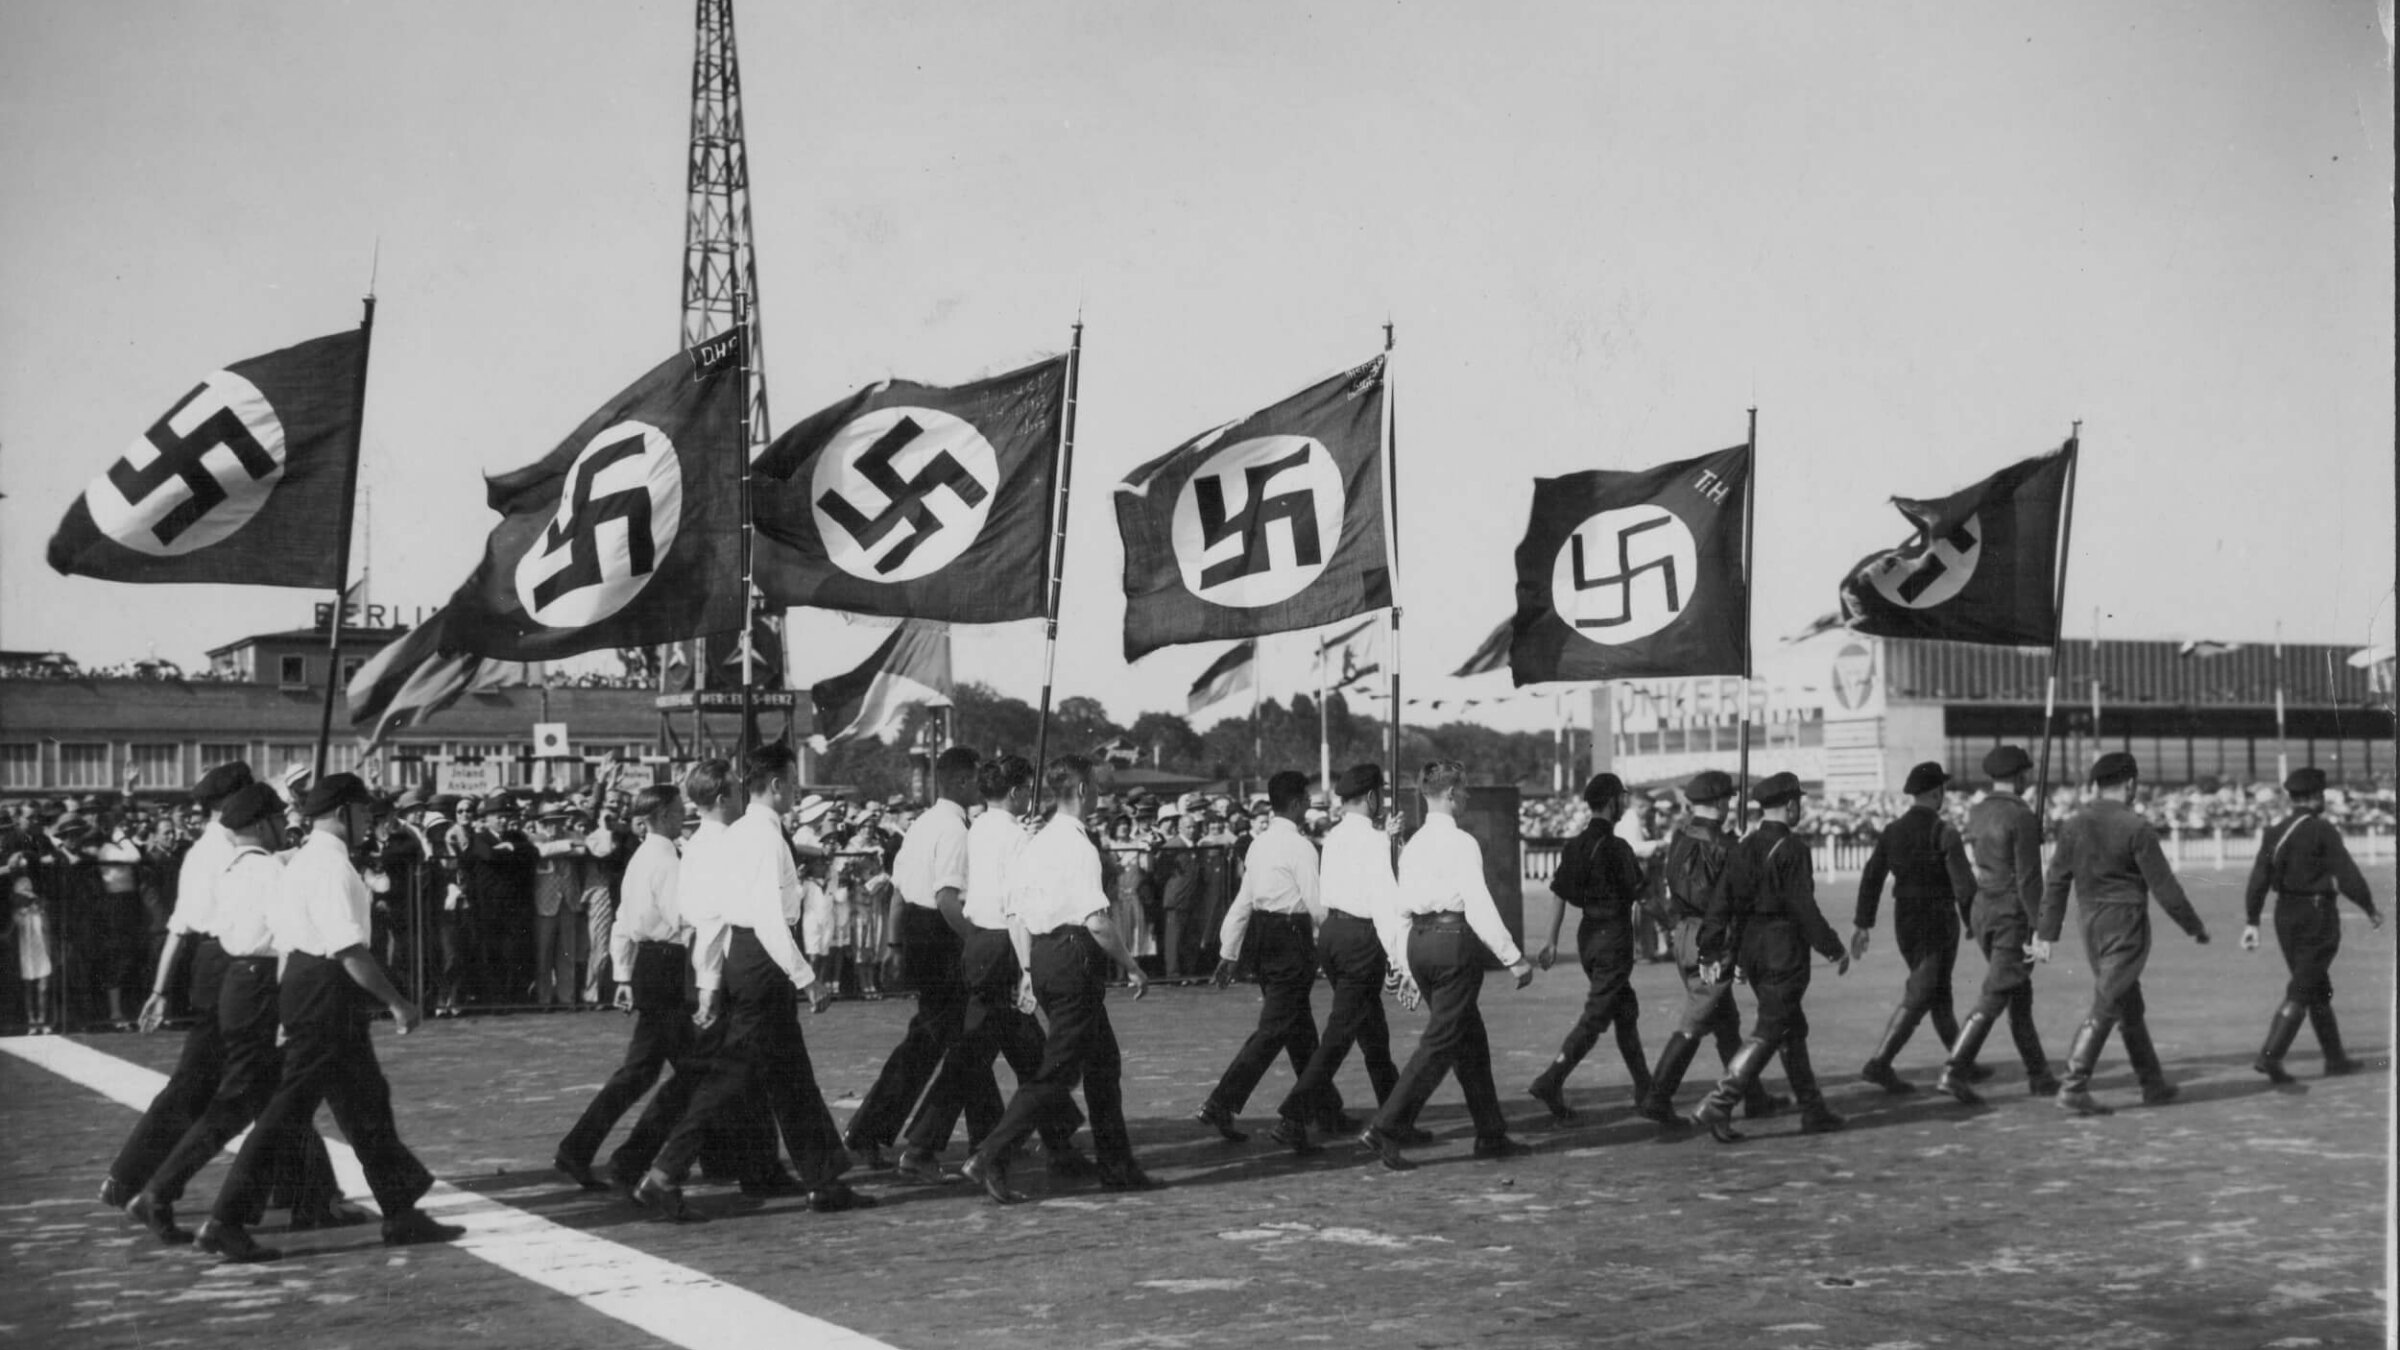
1634, 575
1267, 524
629, 533
1982, 566
915, 500
242, 482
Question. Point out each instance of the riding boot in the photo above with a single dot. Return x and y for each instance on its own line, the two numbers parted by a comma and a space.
2039, 1081
1637, 1064
2329, 1036
1878, 1069
2156, 1090
1674, 1058
1945, 1021
1815, 1116
2075, 1091
1716, 1111
1963, 1049
2282, 1029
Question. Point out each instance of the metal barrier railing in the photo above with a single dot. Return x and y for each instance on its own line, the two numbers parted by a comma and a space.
1539, 857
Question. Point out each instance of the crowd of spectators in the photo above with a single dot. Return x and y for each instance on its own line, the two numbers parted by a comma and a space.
65, 668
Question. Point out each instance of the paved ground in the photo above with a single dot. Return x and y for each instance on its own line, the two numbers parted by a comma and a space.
2239, 1216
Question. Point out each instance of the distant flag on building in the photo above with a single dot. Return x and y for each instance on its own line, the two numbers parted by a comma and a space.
915, 500
910, 669
1982, 566
2203, 648
629, 532
1236, 672
1267, 524
1634, 575
418, 675
242, 482
724, 654
1491, 655
1352, 657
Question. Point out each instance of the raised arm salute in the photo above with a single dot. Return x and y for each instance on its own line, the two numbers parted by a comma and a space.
2302, 859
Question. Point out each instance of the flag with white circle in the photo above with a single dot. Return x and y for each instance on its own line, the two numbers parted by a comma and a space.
1980, 567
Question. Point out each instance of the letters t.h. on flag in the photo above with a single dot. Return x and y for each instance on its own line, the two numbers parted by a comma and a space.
243, 481
914, 500
1236, 672
1265, 525
911, 668
1981, 568
629, 532
1634, 575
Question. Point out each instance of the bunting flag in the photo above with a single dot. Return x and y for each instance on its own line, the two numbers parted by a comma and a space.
2204, 648
910, 669
1634, 575
1981, 568
1264, 525
245, 481
1351, 657
418, 675
1236, 672
915, 500
1491, 655
629, 533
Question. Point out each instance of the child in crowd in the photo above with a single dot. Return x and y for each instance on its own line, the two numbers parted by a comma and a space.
31, 931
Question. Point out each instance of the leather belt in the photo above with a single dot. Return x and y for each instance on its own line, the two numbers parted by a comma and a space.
1447, 919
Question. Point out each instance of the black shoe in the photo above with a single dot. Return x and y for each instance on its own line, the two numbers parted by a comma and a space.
1069, 1161
234, 1243
2343, 1066
330, 1214
578, 1172
1501, 1146
159, 1217
1820, 1119
2079, 1101
869, 1157
1386, 1150
993, 1177
114, 1193
411, 1227
1954, 1082
654, 1194
2042, 1084
1552, 1095
1719, 1123
1221, 1120
2160, 1093
1661, 1112
1409, 1136
919, 1166
1127, 1177
1881, 1075
1293, 1134
836, 1197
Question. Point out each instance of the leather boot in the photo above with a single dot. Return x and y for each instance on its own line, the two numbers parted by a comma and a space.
2039, 1081
1716, 1111
1815, 1116
1945, 1020
2156, 1090
1878, 1069
1674, 1058
2329, 1036
2075, 1092
1550, 1090
1967, 1045
1629, 1048
2282, 1029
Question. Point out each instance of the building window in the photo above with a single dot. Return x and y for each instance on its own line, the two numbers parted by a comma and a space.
83, 766
161, 766
350, 665
20, 765
287, 756
293, 670
214, 753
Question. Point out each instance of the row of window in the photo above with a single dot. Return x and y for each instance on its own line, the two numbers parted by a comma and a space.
2181, 760
96, 766
1713, 739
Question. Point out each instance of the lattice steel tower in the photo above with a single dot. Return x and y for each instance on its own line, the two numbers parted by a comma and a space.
718, 258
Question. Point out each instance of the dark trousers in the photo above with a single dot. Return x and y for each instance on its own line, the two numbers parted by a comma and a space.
2309, 929
1928, 942
929, 952
328, 1059
1776, 959
1605, 946
1707, 1004
992, 1027
1353, 959
2008, 980
246, 1018
450, 935
762, 1050
2116, 940
1069, 980
189, 1087
663, 1037
1287, 1025
1447, 963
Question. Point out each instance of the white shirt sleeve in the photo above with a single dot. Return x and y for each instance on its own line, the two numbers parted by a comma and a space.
771, 894
1462, 868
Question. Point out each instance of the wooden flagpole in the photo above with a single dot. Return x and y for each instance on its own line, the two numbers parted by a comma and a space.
749, 732
2058, 620
1058, 559
1391, 543
1741, 795
341, 579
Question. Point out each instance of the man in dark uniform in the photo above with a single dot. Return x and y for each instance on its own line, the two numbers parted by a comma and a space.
2006, 843
1932, 889
2302, 859
1598, 874
1695, 861
1763, 917
2110, 855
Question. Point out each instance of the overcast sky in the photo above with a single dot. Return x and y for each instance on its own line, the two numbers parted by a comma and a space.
1921, 238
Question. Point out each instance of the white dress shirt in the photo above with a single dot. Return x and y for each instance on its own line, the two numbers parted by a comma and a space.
246, 895
196, 882
1280, 877
994, 843
1357, 880
1441, 872
1056, 881
321, 903
646, 910
743, 877
933, 856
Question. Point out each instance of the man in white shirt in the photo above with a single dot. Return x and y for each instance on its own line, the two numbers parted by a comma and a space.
1362, 920
1066, 937
1278, 898
321, 924
925, 934
651, 943
750, 973
1453, 927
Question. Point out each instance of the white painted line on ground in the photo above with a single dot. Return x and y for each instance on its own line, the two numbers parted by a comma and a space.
675, 1303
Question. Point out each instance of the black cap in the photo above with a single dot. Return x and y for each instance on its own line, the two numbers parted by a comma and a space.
1359, 780
333, 792
1775, 789
1924, 777
2006, 761
1708, 786
221, 782
249, 806
2306, 781
2113, 768
1604, 787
